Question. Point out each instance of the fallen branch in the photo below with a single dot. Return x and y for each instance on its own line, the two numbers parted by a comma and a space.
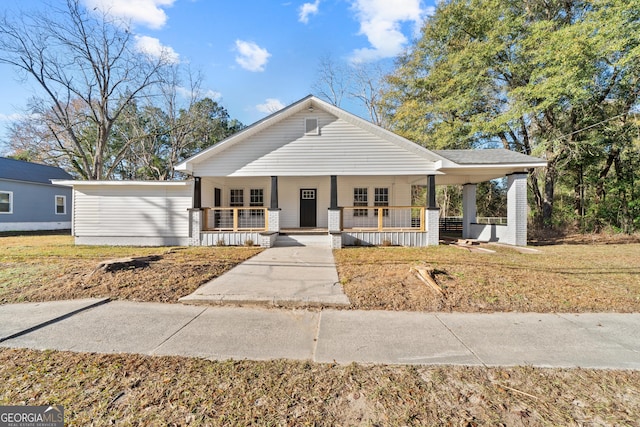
427, 276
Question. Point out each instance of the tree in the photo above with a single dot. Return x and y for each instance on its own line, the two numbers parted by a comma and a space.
88, 71
542, 77
361, 82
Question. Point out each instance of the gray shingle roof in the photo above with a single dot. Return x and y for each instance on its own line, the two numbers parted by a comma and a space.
487, 156
18, 170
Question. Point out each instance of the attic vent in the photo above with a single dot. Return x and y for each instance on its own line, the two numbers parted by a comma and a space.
311, 126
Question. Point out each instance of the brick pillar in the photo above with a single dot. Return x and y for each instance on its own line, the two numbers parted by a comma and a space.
274, 219
335, 220
195, 226
517, 208
469, 210
432, 222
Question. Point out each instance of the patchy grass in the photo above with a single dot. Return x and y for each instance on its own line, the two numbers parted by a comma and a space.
46, 268
145, 390
562, 278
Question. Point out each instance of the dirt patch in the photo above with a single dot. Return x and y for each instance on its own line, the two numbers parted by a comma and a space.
58, 272
144, 390
561, 278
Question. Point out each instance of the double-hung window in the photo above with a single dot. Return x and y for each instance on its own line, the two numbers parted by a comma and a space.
236, 198
61, 205
256, 198
381, 198
6, 202
360, 199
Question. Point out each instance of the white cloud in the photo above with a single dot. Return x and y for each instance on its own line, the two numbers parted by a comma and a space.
270, 106
308, 9
188, 93
14, 117
144, 12
152, 47
380, 21
251, 56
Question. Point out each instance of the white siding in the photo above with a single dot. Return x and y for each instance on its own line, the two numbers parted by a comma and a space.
132, 211
341, 148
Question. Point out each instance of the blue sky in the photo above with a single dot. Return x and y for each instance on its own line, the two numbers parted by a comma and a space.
255, 55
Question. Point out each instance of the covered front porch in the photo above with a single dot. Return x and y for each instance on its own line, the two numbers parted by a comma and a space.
362, 210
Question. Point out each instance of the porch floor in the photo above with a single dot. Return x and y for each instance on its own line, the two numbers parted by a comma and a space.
293, 273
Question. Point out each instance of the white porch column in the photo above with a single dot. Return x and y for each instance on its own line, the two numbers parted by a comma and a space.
274, 219
195, 226
469, 209
335, 220
432, 223
517, 209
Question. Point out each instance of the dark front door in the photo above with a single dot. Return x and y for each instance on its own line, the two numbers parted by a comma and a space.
308, 207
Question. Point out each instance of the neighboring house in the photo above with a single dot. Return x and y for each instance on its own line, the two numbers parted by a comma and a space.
309, 166
28, 199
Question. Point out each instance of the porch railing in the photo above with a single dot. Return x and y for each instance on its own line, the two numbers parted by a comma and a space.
235, 219
383, 218
498, 220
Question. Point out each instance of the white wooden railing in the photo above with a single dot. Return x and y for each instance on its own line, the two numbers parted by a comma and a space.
383, 218
235, 219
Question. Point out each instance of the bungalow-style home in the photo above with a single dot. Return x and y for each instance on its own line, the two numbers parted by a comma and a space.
310, 166
28, 199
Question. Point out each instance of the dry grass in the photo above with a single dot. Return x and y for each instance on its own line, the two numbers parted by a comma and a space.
143, 390
562, 278
46, 268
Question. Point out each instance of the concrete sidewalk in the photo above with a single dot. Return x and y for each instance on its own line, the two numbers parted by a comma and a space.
298, 272
343, 336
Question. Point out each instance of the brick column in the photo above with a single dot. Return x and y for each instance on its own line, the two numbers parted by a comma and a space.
432, 222
195, 226
274, 219
517, 208
335, 220
469, 210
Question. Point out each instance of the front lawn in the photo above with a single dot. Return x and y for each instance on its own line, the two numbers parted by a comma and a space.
47, 268
144, 390
561, 278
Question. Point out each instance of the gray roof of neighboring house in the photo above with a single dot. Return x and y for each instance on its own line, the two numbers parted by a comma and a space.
18, 170
488, 156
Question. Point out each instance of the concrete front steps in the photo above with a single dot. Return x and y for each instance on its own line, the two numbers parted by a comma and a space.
309, 238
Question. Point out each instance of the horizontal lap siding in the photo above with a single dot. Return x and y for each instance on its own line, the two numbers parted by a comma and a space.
340, 149
132, 211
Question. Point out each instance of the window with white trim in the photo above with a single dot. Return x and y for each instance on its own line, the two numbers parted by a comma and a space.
61, 205
381, 198
256, 198
311, 126
360, 199
236, 198
6, 202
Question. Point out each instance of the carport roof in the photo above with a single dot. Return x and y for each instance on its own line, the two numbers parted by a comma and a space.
498, 156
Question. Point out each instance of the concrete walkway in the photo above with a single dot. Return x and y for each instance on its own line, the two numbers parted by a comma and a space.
299, 271
343, 336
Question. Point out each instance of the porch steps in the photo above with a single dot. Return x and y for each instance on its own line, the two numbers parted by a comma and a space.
321, 239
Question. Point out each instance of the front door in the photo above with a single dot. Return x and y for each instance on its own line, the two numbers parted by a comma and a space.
308, 207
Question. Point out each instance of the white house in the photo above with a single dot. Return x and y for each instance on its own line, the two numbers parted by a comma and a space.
309, 166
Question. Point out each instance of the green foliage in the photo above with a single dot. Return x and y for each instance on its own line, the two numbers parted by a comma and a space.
558, 79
